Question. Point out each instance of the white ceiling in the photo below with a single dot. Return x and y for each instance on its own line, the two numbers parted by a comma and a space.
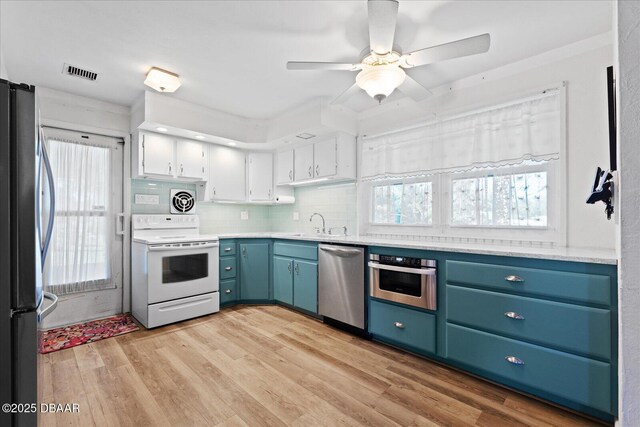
231, 55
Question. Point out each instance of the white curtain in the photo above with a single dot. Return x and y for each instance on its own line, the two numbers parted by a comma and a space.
79, 255
530, 129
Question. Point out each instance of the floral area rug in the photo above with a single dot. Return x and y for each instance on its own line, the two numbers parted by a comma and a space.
83, 333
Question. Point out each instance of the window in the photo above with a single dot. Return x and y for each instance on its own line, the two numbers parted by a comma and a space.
517, 199
403, 203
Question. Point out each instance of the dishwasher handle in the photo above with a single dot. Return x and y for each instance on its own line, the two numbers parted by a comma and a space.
344, 253
421, 271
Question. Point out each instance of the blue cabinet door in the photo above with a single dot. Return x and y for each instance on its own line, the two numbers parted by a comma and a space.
254, 271
283, 279
305, 285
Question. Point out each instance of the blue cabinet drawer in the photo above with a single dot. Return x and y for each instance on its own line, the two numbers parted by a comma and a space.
568, 327
296, 250
228, 291
578, 379
403, 326
227, 247
227, 267
578, 287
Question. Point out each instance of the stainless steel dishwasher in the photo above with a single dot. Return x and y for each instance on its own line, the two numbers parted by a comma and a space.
341, 284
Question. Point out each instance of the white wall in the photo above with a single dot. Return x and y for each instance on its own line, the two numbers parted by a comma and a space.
583, 66
628, 97
64, 110
3, 66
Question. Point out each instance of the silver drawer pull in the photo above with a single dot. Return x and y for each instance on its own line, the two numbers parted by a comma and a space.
514, 279
399, 325
228, 268
228, 291
227, 249
514, 315
514, 360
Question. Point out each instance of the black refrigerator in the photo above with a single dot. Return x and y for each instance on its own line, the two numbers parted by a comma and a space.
21, 249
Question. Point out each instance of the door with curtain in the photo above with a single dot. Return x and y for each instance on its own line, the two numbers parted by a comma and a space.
86, 247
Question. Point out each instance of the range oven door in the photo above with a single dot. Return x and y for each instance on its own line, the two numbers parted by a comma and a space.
411, 286
181, 270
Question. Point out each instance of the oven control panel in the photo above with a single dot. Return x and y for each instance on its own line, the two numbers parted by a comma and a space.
409, 262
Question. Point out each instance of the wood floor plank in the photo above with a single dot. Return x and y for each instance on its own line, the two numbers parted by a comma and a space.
270, 366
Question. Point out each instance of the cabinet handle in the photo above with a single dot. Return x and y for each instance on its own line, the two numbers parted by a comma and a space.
514, 360
310, 171
289, 267
398, 325
297, 269
244, 251
514, 279
269, 196
227, 249
228, 268
228, 291
317, 172
290, 175
181, 169
214, 191
169, 167
514, 315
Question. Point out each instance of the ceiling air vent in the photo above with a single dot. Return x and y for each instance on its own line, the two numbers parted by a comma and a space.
305, 135
72, 70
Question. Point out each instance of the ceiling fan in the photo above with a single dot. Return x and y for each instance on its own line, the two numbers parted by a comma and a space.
381, 71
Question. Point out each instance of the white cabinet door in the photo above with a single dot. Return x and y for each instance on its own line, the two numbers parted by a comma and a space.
324, 156
227, 174
260, 176
303, 163
190, 159
158, 154
285, 167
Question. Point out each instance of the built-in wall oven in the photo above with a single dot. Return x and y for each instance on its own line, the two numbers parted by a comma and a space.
406, 280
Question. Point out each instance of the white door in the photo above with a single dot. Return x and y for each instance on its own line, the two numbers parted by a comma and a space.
158, 154
303, 163
86, 250
227, 174
190, 159
284, 167
260, 176
324, 156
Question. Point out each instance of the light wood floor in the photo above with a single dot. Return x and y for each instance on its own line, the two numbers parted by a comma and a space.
266, 365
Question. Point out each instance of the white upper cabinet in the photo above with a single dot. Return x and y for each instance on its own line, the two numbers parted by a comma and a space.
189, 159
227, 174
157, 154
260, 177
284, 167
303, 163
324, 158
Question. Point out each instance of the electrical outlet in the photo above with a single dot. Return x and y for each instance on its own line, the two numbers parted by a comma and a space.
296, 216
147, 199
244, 215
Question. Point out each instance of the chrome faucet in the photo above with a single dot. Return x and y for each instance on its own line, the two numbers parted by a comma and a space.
323, 224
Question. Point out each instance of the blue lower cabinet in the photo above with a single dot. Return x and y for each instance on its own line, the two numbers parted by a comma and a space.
305, 285
228, 291
283, 279
403, 326
254, 271
533, 368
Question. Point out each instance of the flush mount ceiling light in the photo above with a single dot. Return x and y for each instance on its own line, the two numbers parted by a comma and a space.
380, 80
162, 80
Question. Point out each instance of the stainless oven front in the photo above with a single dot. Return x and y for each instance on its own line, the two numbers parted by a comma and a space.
406, 280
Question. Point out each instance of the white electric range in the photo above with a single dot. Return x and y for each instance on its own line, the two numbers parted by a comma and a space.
174, 269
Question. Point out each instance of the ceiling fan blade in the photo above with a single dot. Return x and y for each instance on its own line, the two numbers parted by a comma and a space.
382, 24
414, 90
329, 66
344, 96
456, 49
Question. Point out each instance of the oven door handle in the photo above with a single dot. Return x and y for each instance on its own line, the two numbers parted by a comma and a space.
421, 271
153, 248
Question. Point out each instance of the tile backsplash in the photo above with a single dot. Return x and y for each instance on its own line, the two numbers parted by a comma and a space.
337, 203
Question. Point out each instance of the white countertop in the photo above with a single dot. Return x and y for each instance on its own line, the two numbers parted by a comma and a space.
587, 255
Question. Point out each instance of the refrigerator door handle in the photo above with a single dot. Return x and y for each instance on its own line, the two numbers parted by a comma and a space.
47, 311
52, 204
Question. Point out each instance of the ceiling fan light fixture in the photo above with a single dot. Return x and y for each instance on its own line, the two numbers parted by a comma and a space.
162, 80
380, 81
